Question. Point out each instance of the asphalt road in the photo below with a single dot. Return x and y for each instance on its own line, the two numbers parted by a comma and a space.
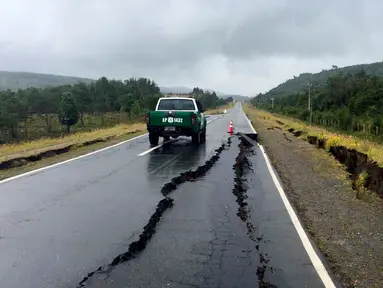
60, 224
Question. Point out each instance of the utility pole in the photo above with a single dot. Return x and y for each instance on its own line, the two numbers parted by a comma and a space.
310, 107
309, 96
272, 103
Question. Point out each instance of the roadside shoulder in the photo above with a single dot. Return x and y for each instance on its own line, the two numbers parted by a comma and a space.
348, 231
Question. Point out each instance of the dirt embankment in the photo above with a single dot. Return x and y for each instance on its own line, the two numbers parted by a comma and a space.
21, 159
364, 172
347, 228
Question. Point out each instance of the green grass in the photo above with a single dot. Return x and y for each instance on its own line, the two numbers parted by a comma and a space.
37, 127
29, 148
77, 151
372, 149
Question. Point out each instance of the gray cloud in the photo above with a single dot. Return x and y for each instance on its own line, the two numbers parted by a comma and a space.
231, 47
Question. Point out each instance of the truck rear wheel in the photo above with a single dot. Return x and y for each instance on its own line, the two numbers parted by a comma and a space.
153, 139
196, 138
203, 136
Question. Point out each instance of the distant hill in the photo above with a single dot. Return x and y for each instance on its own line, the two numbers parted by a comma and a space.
298, 84
23, 80
185, 90
235, 97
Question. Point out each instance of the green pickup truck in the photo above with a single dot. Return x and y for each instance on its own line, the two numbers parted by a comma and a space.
174, 117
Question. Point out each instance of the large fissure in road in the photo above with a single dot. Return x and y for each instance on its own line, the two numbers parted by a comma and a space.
150, 229
241, 167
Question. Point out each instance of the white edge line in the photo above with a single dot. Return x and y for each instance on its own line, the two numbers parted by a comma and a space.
69, 160
251, 125
155, 147
317, 263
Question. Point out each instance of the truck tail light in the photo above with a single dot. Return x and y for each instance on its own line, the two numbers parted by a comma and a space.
147, 118
193, 117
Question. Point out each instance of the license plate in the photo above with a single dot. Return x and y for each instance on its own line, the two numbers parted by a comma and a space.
170, 128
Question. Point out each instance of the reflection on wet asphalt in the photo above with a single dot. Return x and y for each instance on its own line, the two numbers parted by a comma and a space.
176, 157
60, 224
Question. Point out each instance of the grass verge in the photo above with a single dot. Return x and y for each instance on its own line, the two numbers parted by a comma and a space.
11, 151
24, 157
363, 158
331, 139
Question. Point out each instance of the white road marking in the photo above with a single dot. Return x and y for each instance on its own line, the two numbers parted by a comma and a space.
156, 147
315, 260
69, 160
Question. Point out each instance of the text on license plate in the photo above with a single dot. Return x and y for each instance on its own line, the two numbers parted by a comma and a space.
170, 128
172, 120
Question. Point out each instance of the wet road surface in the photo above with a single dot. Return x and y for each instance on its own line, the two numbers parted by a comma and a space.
60, 224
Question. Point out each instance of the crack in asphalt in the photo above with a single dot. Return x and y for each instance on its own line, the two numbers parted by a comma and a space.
136, 246
150, 229
240, 188
184, 284
192, 175
241, 164
216, 248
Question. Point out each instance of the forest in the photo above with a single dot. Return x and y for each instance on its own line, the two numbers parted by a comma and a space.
299, 83
346, 101
33, 113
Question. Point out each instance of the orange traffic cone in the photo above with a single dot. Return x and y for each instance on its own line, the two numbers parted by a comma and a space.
231, 128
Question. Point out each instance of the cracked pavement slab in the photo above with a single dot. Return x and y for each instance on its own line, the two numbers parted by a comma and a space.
203, 242
200, 243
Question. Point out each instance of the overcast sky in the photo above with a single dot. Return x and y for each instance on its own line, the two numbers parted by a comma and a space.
232, 46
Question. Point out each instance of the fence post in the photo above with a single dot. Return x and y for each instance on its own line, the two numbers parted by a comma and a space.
377, 130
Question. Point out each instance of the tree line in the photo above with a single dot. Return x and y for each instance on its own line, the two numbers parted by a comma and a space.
299, 83
69, 105
349, 102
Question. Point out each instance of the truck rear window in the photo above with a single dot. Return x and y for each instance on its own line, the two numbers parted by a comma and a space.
176, 104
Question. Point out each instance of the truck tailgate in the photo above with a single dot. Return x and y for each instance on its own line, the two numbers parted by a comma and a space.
175, 118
